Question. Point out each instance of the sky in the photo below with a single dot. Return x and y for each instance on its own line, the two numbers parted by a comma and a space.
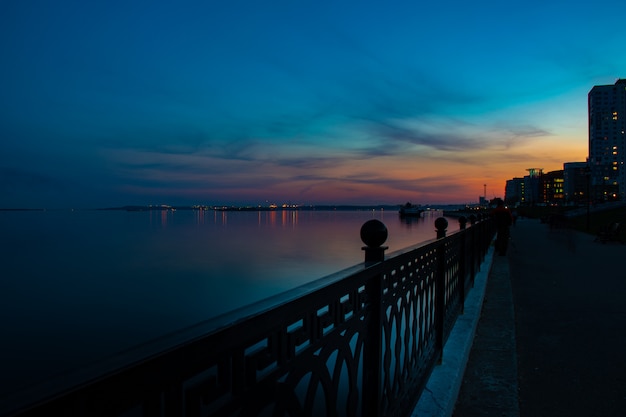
108, 103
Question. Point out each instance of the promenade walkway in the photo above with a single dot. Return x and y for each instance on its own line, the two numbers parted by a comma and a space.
551, 339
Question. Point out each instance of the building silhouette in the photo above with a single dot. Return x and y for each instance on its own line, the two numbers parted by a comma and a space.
575, 182
515, 191
537, 187
602, 177
607, 147
532, 185
552, 187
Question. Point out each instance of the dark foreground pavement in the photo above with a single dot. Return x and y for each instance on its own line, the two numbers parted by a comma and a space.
551, 340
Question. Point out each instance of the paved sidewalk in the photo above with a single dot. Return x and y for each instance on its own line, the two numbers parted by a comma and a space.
489, 387
443, 386
569, 296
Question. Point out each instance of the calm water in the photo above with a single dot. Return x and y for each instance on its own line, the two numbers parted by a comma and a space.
79, 285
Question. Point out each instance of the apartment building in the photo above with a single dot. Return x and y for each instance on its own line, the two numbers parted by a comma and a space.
607, 141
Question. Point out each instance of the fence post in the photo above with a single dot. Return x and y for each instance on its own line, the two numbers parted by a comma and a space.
441, 225
462, 261
484, 236
472, 255
480, 239
462, 222
440, 287
373, 234
474, 251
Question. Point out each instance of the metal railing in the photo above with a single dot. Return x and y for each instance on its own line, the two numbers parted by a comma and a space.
361, 342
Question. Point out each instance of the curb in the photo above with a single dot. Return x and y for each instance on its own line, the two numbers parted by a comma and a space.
443, 386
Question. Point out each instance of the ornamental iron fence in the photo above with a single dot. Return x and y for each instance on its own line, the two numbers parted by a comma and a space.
361, 342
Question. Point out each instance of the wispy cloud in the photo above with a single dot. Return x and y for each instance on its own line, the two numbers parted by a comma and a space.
331, 101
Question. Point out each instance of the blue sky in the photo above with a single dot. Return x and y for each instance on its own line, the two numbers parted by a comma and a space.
109, 103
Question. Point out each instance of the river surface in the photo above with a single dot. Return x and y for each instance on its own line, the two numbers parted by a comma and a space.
77, 285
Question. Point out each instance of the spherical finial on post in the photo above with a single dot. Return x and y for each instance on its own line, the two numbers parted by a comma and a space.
441, 224
462, 222
472, 219
374, 234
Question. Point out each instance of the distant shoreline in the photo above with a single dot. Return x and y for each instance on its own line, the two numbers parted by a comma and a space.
218, 208
323, 207
257, 208
22, 209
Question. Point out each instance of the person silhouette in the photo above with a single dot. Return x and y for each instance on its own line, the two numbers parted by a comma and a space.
503, 219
